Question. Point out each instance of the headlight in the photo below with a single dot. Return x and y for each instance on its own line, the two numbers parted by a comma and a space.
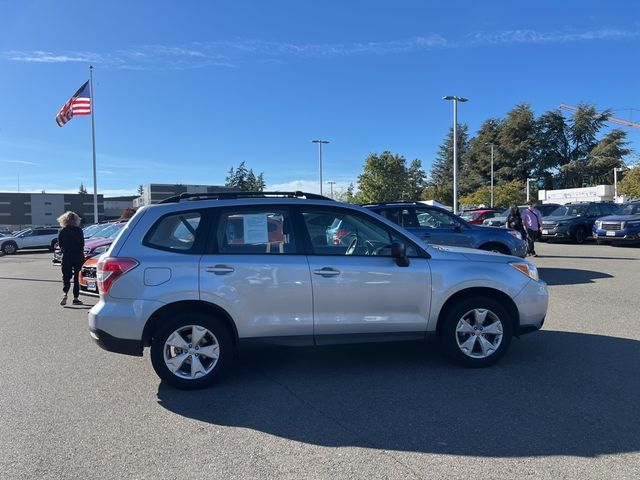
634, 224
598, 224
528, 269
516, 234
100, 250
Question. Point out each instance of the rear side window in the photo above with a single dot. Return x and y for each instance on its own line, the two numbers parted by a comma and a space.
176, 232
255, 231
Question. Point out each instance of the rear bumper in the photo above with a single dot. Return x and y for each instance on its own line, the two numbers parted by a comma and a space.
117, 345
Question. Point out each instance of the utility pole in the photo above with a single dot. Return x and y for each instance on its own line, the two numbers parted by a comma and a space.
331, 184
320, 143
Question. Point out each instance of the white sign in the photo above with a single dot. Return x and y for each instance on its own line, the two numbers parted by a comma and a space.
255, 229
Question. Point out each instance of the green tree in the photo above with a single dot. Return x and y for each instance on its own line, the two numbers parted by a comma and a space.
510, 193
630, 184
476, 171
244, 179
606, 156
82, 189
518, 145
482, 196
440, 182
140, 190
386, 178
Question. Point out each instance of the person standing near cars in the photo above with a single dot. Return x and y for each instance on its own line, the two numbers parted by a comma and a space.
532, 219
71, 242
514, 221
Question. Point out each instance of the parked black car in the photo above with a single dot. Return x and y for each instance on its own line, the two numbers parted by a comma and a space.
574, 221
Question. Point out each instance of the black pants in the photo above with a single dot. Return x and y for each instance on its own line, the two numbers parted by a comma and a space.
71, 268
531, 241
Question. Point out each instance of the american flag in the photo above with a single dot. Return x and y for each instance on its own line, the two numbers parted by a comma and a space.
78, 104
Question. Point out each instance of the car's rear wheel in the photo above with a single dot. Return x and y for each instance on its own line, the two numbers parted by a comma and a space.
476, 332
9, 248
191, 350
53, 246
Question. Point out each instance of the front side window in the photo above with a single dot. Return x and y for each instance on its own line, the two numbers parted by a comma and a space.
256, 231
176, 232
349, 234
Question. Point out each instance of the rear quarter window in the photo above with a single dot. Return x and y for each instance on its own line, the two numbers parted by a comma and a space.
175, 232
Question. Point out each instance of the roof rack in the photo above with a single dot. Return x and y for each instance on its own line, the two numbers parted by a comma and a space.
240, 194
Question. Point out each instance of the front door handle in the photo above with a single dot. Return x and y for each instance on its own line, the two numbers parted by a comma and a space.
219, 269
327, 272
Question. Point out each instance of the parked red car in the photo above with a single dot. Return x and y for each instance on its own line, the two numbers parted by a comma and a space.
479, 215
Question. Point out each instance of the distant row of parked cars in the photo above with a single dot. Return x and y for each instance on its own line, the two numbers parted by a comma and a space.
607, 222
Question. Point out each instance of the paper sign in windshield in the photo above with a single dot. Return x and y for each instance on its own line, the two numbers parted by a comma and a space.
255, 229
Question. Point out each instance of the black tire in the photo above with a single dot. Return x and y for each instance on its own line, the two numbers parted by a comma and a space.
9, 248
450, 337
496, 247
580, 235
220, 334
54, 244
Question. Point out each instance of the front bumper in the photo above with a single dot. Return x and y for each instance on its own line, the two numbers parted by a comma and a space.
559, 232
532, 303
617, 235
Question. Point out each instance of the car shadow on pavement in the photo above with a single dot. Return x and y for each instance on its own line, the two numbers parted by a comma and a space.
569, 276
590, 258
555, 393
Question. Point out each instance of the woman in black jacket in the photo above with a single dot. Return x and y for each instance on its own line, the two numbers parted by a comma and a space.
71, 242
514, 221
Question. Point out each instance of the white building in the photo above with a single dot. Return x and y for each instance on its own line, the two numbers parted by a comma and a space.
599, 193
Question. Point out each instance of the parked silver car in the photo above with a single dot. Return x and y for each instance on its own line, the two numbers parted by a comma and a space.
195, 277
30, 238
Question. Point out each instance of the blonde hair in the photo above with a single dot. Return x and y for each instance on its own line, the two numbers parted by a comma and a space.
69, 218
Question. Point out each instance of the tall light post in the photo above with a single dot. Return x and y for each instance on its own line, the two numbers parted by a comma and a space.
615, 183
492, 145
320, 143
529, 180
331, 184
455, 147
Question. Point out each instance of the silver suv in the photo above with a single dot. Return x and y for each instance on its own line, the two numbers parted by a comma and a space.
198, 275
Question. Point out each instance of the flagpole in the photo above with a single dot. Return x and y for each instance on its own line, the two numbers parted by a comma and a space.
93, 138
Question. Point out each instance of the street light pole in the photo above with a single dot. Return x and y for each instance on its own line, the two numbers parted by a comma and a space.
492, 144
529, 180
320, 142
331, 183
455, 147
615, 183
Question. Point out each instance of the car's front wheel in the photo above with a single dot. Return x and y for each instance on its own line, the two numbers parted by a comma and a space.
191, 350
9, 248
476, 331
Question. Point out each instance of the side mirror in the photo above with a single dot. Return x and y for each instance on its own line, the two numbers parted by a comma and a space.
399, 252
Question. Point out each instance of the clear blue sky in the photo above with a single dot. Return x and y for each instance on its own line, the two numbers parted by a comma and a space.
186, 89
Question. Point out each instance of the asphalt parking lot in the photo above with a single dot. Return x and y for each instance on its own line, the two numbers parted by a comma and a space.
563, 403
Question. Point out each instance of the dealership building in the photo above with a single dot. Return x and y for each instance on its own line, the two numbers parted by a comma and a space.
156, 192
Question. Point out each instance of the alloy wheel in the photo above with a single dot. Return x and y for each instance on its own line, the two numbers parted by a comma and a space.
191, 352
479, 333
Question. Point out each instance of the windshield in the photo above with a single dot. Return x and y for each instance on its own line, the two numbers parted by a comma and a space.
629, 209
569, 210
469, 215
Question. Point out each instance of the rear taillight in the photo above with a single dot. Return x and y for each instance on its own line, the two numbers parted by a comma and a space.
112, 268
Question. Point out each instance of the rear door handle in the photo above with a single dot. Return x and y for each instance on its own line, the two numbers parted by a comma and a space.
219, 269
327, 272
